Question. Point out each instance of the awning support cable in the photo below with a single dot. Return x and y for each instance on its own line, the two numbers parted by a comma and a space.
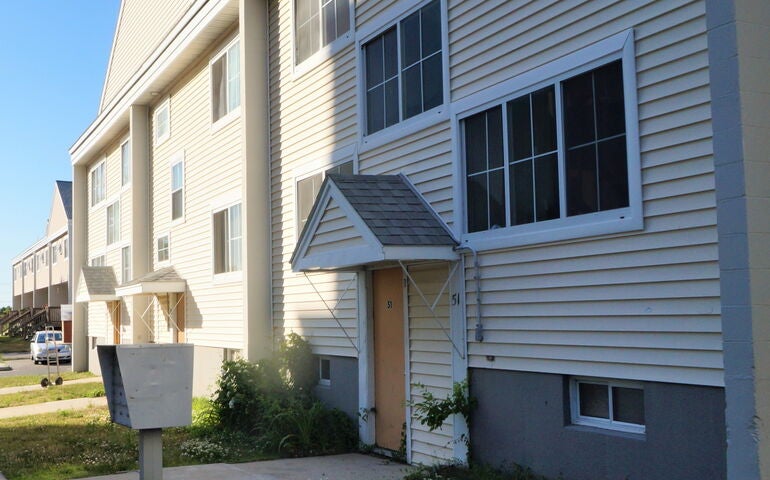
171, 310
332, 310
141, 316
115, 307
432, 307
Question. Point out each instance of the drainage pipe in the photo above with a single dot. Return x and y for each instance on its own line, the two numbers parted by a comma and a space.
479, 334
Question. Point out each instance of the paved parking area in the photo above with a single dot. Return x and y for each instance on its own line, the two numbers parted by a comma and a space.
21, 364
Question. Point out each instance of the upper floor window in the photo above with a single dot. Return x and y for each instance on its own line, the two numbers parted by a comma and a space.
55, 249
177, 190
163, 248
162, 122
404, 69
97, 261
97, 184
227, 239
113, 223
125, 162
226, 81
318, 23
125, 260
307, 190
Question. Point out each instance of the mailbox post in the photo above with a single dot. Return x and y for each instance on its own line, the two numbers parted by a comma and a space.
148, 388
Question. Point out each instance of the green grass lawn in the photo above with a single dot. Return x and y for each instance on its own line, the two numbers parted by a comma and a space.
22, 380
83, 443
52, 394
13, 344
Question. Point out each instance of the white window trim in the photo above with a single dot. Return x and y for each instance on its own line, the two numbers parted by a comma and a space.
124, 267
165, 104
607, 424
616, 47
162, 263
225, 203
325, 52
96, 255
130, 169
179, 157
98, 204
333, 159
116, 240
236, 112
324, 382
383, 21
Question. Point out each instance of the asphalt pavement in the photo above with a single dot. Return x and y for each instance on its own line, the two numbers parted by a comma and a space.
22, 364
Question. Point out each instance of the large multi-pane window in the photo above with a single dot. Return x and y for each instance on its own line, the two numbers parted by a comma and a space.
162, 122
227, 239
163, 248
318, 23
307, 191
226, 82
125, 260
556, 152
113, 223
177, 190
97, 184
403, 69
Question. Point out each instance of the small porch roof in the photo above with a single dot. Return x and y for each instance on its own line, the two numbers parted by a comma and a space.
97, 284
164, 280
362, 220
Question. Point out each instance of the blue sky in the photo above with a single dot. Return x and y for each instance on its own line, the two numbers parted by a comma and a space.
55, 55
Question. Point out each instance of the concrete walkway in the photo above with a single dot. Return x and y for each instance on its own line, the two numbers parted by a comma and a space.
50, 407
30, 388
351, 466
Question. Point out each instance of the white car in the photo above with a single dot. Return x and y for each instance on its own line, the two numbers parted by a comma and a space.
43, 347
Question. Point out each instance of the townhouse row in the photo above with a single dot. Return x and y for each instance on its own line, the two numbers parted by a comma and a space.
558, 202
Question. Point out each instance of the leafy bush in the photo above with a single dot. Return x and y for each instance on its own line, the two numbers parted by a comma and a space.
433, 412
272, 402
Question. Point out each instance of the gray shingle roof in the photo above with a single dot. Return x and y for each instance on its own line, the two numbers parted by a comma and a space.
65, 190
393, 210
167, 274
99, 280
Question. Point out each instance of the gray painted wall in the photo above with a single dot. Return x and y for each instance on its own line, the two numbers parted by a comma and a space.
343, 391
524, 418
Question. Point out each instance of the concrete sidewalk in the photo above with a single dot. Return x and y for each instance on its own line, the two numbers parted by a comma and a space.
50, 407
350, 466
30, 388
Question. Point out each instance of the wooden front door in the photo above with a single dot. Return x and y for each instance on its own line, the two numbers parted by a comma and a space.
389, 365
115, 314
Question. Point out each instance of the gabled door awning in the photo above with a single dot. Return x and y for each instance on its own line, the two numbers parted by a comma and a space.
97, 284
165, 280
370, 219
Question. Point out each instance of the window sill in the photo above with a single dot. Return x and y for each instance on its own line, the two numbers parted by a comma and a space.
571, 228
405, 128
161, 140
606, 431
322, 55
226, 120
227, 277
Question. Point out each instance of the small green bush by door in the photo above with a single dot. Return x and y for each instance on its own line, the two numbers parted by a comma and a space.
272, 401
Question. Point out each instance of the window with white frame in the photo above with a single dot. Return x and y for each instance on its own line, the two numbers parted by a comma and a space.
404, 69
318, 23
97, 261
65, 247
162, 248
324, 371
307, 191
113, 223
177, 190
97, 184
226, 81
125, 162
227, 239
558, 157
616, 405
162, 122
55, 248
125, 260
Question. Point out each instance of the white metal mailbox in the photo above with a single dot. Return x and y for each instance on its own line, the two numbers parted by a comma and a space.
148, 386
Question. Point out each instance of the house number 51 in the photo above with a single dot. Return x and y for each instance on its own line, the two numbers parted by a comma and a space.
389, 304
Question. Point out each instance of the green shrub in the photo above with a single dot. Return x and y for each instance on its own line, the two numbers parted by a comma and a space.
272, 402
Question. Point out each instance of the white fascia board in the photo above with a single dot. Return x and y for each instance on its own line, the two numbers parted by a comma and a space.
341, 259
419, 253
86, 298
150, 288
31, 250
113, 117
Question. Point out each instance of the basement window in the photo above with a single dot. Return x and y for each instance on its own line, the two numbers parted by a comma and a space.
324, 371
611, 404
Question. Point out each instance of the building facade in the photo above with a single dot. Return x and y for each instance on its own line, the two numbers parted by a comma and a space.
557, 202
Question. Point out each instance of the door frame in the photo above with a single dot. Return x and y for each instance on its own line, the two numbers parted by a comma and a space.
366, 362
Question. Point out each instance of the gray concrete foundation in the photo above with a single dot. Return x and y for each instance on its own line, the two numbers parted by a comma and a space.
524, 418
342, 393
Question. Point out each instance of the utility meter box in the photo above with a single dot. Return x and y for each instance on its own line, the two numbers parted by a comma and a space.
148, 386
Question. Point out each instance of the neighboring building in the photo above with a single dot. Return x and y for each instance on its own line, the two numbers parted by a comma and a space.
561, 202
41, 274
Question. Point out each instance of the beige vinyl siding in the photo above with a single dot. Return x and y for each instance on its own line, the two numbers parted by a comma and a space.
142, 26
41, 269
99, 322
58, 218
60, 269
334, 232
430, 359
366, 10
212, 172
644, 305
19, 281
312, 115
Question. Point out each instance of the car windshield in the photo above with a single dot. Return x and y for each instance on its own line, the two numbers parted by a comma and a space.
51, 336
